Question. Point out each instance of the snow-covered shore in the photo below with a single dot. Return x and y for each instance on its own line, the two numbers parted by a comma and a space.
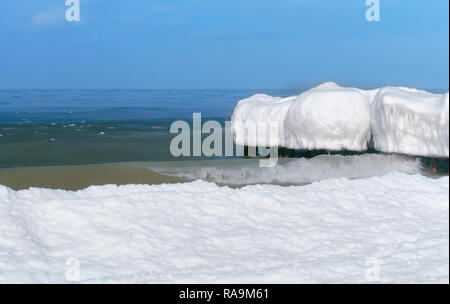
393, 228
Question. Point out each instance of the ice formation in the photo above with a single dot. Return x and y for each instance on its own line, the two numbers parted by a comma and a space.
330, 117
300, 171
411, 122
250, 118
331, 231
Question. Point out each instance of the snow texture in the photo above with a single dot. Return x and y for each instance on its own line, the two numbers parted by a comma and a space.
411, 122
393, 228
251, 116
330, 117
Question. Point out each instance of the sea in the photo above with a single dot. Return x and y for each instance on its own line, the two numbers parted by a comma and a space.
73, 127
73, 139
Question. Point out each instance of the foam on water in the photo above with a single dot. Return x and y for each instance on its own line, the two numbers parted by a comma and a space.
294, 172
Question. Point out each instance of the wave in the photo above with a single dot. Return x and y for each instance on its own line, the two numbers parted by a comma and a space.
294, 172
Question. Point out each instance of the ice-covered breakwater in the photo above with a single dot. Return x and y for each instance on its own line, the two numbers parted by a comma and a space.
331, 117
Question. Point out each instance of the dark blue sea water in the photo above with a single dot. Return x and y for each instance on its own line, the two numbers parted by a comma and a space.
71, 106
65, 127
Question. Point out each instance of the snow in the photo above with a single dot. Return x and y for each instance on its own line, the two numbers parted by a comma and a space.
393, 228
331, 117
293, 171
412, 122
250, 116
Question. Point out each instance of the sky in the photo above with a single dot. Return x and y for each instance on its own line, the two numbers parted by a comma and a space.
223, 44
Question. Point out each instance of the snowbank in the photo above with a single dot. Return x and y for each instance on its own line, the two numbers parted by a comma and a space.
331, 117
410, 121
393, 228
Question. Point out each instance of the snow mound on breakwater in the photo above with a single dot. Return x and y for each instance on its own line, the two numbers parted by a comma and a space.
254, 110
328, 117
331, 117
411, 122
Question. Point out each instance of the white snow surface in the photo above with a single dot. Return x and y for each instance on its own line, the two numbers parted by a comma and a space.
252, 116
393, 228
410, 121
332, 117
328, 117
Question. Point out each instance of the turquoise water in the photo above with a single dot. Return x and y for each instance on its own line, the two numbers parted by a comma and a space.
67, 127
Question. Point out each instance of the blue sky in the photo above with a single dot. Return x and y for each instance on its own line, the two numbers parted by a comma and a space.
223, 44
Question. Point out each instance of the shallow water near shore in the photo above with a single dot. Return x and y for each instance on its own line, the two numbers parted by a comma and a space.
231, 172
81, 177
